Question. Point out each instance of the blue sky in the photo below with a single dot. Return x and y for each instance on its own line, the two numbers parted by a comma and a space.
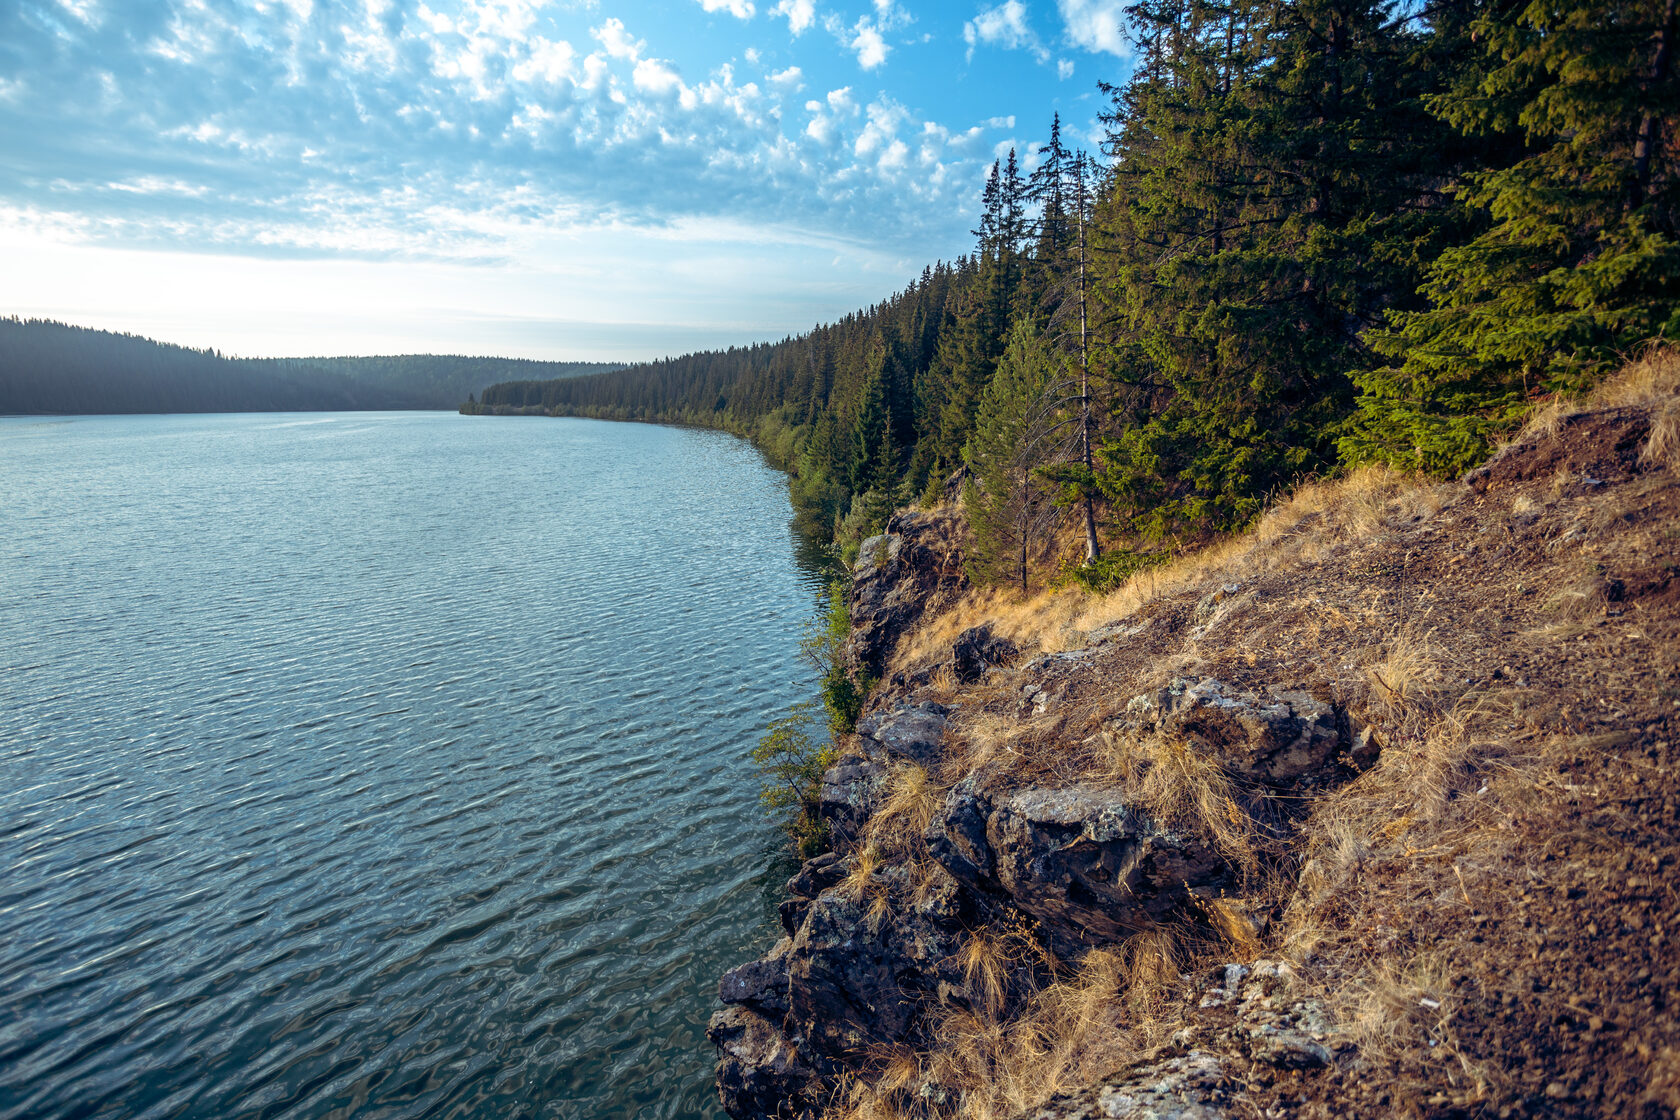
540, 178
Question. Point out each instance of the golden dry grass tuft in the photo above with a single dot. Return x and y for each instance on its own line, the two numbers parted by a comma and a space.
1180, 786
1316, 522
1041, 623
1407, 673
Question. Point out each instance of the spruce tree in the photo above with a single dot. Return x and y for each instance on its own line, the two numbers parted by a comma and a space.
1580, 260
1267, 168
1009, 510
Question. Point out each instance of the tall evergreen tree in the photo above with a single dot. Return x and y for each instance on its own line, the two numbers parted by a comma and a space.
1580, 259
1009, 509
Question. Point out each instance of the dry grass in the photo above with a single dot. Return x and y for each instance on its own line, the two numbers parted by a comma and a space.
911, 801
1407, 674
1182, 787
1041, 622
994, 1061
1650, 381
1394, 847
1318, 520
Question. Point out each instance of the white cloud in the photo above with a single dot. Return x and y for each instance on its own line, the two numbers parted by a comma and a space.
549, 61
889, 16
1096, 25
86, 11
1004, 26
617, 41
800, 14
792, 79
871, 48
655, 76
740, 9
1064, 68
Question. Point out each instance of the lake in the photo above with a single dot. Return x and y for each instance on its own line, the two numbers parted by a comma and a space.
385, 765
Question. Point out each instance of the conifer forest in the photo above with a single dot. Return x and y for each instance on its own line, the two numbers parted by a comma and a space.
1316, 234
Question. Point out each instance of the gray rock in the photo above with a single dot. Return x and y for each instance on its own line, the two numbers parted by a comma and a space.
976, 650
1278, 738
815, 876
1208, 605
851, 792
876, 551
909, 731
917, 564
1080, 860
1183, 1088
761, 985
759, 1072
858, 976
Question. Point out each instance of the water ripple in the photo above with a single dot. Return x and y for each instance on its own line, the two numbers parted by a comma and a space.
386, 766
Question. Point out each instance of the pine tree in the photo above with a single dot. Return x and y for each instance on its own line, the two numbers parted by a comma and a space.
1267, 171
1580, 259
1009, 508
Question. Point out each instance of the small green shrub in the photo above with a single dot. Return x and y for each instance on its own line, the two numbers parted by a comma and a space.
1115, 568
791, 760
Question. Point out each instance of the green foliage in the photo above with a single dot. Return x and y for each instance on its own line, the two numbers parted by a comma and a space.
1578, 259
1263, 211
1114, 568
1327, 232
823, 648
1010, 509
791, 759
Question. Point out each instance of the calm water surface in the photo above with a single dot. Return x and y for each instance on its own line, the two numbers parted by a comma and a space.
381, 765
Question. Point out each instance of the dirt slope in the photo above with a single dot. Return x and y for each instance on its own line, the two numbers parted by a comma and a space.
1471, 910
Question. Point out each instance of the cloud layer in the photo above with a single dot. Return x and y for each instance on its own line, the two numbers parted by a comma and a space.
464, 132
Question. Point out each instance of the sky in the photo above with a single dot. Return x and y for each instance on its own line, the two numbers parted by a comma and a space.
558, 179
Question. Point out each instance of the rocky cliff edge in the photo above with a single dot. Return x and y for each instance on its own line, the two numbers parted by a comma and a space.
1371, 812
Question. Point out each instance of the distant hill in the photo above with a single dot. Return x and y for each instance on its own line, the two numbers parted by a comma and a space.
52, 367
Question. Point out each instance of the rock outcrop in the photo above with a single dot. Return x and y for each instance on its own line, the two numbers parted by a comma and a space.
1090, 868
913, 568
1483, 910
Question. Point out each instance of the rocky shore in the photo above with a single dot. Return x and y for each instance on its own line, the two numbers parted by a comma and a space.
1372, 812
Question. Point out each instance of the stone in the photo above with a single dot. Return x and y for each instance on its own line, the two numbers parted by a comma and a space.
761, 985
815, 876
851, 791
876, 551
1277, 738
1078, 859
914, 567
977, 650
1208, 605
758, 1072
1182, 1088
909, 731
858, 976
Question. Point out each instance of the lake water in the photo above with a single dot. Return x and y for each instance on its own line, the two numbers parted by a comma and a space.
382, 765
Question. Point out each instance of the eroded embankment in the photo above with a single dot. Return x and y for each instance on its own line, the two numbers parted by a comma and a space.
1370, 812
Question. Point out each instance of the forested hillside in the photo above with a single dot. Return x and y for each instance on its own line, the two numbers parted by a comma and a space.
1318, 234
49, 367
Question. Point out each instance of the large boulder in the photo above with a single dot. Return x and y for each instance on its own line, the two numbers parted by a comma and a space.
908, 732
976, 650
759, 1072
917, 564
860, 973
1278, 738
851, 791
815, 876
1089, 866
